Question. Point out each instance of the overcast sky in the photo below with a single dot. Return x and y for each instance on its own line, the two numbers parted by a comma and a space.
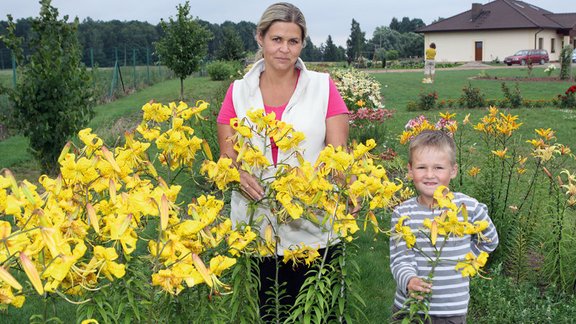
324, 17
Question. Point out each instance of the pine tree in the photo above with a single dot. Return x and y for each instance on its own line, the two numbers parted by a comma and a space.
356, 42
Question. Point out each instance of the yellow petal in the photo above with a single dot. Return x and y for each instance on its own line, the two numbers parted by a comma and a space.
112, 190
464, 213
125, 224
7, 278
32, 273
163, 212
110, 158
206, 150
28, 193
48, 237
434, 232
92, 217
64, 151
13, 184
202, 269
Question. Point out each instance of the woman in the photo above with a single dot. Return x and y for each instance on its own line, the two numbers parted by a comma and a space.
310, 102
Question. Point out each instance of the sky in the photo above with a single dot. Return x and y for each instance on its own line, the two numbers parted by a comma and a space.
323, 17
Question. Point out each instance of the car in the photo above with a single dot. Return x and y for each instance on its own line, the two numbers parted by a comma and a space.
574, 56
526, 56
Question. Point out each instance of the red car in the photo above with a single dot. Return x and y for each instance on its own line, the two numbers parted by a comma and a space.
524, 57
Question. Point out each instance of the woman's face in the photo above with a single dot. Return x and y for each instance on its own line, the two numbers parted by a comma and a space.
281, 45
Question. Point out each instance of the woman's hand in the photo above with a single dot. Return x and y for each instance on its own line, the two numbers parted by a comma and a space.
250, 186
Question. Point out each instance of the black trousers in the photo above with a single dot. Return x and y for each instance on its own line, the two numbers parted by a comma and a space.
292, 274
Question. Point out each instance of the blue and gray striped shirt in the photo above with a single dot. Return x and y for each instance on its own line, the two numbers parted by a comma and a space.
450, 291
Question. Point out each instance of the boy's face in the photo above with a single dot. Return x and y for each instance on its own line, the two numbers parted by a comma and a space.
430, 168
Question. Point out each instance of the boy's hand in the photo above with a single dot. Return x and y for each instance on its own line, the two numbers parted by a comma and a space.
417, 287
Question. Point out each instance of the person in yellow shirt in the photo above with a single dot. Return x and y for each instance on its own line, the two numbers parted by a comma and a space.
429, 64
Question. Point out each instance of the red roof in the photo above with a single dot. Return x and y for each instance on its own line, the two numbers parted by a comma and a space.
503, 14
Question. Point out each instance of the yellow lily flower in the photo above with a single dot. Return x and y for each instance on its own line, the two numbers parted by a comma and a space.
472, 265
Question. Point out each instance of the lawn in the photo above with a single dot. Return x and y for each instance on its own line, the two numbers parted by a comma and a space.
377, 286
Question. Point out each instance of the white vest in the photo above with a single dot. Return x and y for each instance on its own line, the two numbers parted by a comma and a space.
306, 111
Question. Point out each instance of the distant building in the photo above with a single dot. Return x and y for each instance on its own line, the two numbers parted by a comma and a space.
499, 29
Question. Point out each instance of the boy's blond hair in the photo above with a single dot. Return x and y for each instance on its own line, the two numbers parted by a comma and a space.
433, 139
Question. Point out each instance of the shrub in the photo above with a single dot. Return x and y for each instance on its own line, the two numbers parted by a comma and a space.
568, 100
472, 97
52, 99
501, 300
392, 55
426, 101
565, 60
512, 97
222, 70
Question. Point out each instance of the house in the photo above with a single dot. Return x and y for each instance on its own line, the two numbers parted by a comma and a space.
499, 28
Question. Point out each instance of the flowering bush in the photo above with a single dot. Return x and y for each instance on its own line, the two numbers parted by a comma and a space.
358, 89
471, 97
367, 123
417, 125
549, 69
114, 214
568, 99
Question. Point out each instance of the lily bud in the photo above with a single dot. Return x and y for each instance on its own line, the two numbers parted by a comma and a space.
32, 273
7, 278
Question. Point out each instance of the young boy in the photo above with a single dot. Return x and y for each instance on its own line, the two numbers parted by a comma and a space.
432, 163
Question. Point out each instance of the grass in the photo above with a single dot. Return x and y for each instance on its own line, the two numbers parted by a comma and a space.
112, 119
401, 88
377, 285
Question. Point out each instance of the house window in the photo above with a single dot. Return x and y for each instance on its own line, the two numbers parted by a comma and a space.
540, 43
552, 45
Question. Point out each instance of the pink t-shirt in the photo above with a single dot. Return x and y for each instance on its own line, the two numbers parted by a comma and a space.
336, 106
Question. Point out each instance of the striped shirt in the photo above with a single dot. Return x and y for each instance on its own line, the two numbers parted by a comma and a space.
450, 291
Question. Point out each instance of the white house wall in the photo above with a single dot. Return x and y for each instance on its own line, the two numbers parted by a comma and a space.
460, 46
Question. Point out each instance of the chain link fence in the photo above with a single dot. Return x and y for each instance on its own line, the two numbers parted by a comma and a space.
115, 73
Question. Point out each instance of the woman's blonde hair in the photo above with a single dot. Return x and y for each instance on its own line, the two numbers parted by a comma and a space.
283, 12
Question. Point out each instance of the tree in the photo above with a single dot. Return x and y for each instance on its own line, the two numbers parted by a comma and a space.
406, 44
330, 51
406, 25
356, 43
184, 44
231, 48
52, 99
310, 52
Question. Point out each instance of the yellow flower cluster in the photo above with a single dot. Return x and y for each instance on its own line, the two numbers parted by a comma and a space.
320, 193
83, 226
178, 143
497, 124
544, 149
446, 224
